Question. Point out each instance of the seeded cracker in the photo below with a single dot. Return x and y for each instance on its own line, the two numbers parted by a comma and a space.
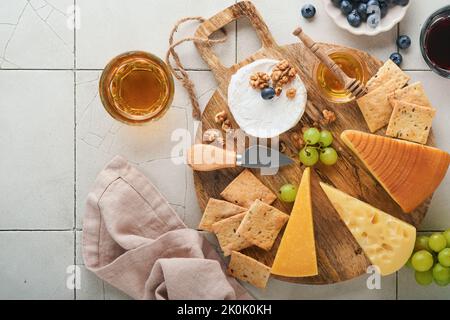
245, 189
375, 106
217, 210
262, 224
414, 93
248, 269
225, 231
410, 122
389, 71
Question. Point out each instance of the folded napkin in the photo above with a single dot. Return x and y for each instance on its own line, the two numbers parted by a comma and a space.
134, 240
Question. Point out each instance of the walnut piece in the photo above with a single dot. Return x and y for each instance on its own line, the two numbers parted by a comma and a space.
328, 117
278, 91
226, 125
297, 140
211, 135
291, 92
283, 73
259, 80
220, 117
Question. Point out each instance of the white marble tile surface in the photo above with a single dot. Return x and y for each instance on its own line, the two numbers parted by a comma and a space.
37, 135
44, 182
30, 270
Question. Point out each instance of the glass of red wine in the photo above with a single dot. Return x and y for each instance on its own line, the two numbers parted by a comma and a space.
435, 41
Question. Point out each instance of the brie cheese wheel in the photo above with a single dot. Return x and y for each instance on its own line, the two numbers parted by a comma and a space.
264, 118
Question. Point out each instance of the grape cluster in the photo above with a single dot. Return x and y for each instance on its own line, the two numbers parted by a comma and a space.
318, 148
431, 259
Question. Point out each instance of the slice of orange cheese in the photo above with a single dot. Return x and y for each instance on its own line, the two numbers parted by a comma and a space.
296, 255
408, 171
387, 241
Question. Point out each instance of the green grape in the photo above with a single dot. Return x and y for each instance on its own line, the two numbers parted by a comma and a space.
287, 193
437, 242
447, 237
326, 138
309, 156
441, 273
441, 283
328, 156
422, 261
424, 278
311, 136
444, 257
422, 243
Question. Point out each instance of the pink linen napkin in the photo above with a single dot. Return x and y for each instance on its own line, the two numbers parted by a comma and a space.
134, 240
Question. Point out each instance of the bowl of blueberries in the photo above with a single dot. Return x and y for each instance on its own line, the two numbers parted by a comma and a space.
366, 17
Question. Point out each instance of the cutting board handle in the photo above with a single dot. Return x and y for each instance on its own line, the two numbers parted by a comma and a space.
220, 20
206, 157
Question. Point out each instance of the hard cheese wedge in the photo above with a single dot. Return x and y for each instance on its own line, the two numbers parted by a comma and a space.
296, 255
408, 171
387, 241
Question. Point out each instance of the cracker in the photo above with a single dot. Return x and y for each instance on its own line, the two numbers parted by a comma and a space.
217, 210
388, 71
225, 231
375, 106
262, 224
245, 189
414, 93
410, 122
248, 269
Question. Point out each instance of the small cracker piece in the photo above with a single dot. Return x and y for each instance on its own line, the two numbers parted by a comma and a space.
217, 210
245, 189
248, 269
410, 122
414, 93
262, 224
225, 231
375, 106
388, 71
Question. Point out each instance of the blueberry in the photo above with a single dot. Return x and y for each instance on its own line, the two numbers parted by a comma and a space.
354, 19
373, 3
373, 20
397, 58
308, 11
346, 7
384, 8
362, 11
403, 42
401, 2
337, 3
268, 93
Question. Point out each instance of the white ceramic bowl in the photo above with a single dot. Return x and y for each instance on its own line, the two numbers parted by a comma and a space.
394, 16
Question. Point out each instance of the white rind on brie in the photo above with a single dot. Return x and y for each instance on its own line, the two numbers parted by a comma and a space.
264, 118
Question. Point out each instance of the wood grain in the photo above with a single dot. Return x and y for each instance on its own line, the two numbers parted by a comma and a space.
339, 256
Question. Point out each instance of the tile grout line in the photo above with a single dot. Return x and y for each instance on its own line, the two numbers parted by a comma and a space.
75, 141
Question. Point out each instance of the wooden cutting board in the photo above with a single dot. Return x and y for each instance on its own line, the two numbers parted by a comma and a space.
339, 255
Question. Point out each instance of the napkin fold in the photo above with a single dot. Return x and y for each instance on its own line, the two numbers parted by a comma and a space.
135, 241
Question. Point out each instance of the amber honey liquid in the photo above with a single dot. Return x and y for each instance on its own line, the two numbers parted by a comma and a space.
332, 88
136, 87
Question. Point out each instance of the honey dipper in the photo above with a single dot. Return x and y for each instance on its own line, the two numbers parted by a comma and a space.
354, 86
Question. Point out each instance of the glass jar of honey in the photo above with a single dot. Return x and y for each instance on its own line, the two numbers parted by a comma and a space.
331, 88
136, 87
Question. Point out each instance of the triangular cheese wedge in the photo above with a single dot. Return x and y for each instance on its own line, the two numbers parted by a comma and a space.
408, 171
387, 241
296, 255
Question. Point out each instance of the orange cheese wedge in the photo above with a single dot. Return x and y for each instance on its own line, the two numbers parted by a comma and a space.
296, 255
409, 172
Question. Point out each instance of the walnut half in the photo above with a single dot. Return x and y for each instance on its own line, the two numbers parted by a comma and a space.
220, 117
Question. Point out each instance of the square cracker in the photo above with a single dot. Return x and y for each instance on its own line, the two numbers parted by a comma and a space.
262, 224
414, 93
248, 269
217, 210
225, 231
410, 122
245, 189
388, 71
375, 106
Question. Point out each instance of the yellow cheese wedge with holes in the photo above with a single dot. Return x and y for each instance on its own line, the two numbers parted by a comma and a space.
296, 255
387, 241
